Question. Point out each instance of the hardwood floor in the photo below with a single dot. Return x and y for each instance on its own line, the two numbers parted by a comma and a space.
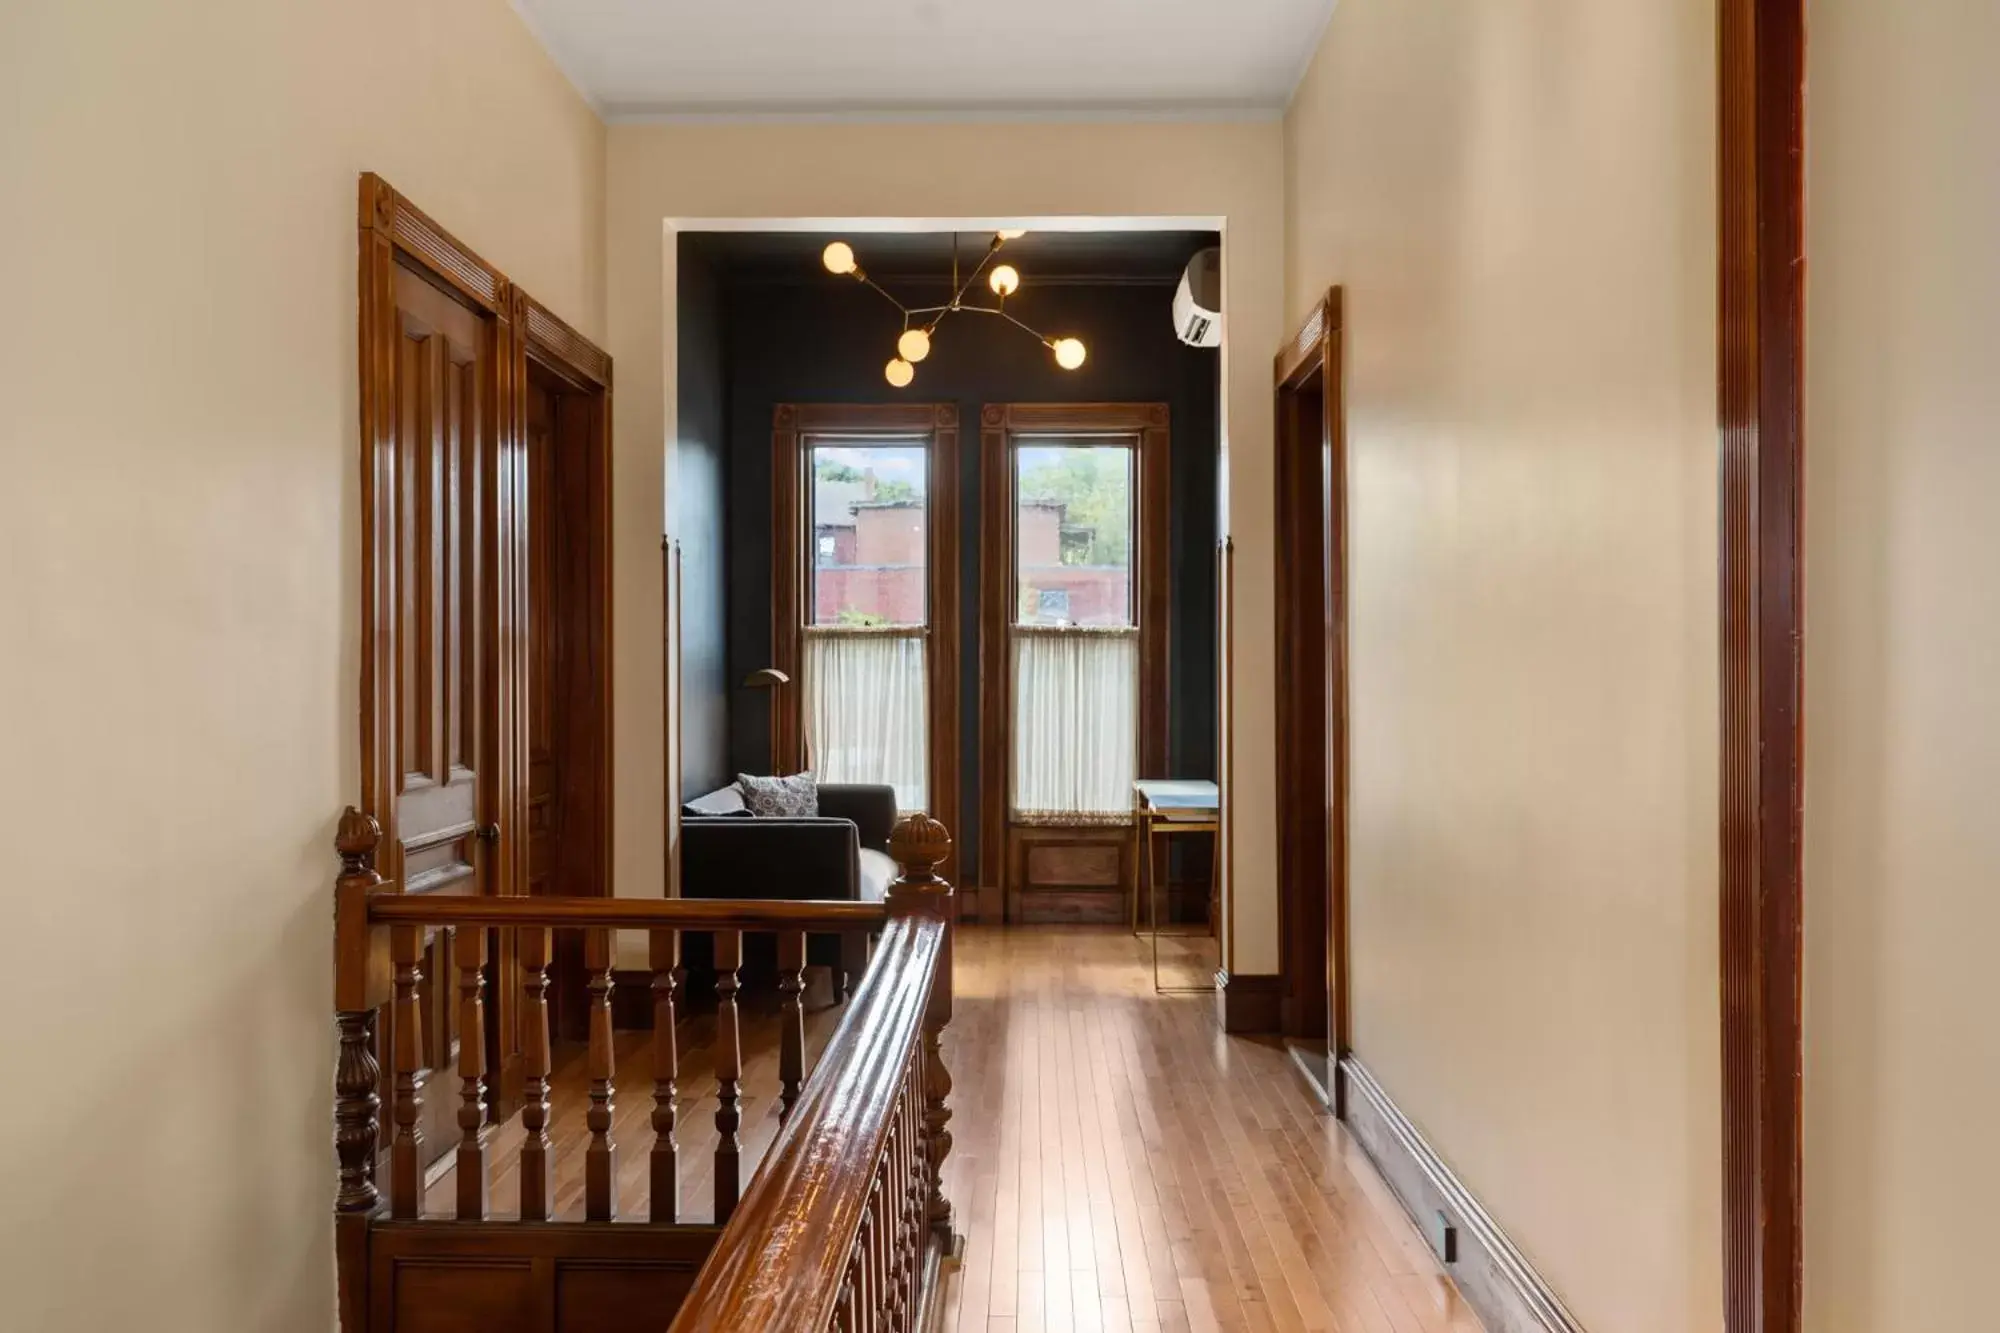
1118, 1164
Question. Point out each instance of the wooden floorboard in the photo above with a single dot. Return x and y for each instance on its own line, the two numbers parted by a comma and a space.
1118, 1163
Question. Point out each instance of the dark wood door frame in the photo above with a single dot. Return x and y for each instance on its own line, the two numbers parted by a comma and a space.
1761, 394
394, 234
1311, 588
792, 425
582, 374
577, 375
1000, 425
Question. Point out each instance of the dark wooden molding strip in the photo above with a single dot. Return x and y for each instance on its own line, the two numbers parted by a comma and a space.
1247, 1002
1301, 355
1760, 392
1492, 1274
551, 339
389, 214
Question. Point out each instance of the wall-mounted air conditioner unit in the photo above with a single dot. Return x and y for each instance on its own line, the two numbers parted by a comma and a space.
1198, 302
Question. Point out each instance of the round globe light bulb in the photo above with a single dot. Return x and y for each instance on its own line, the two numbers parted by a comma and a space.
1012, 235
913, 346
1004, 279
899, 373
838, 258
1069, 352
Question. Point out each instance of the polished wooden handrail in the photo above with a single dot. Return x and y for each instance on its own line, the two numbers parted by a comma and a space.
780, 1263
753, 914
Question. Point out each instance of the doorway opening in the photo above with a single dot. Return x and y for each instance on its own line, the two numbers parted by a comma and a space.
848, 552
569, 784
1312, 698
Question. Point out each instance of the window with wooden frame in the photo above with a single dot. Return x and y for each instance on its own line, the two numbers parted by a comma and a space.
1075, 610
865, 596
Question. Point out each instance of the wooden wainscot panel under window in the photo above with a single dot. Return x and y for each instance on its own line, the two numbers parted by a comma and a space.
1080, 875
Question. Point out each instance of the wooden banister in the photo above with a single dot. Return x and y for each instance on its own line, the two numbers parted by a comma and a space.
766, 914
841, 1220
841, 1225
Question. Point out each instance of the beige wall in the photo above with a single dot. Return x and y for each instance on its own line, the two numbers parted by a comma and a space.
1902, 660
1519, 199
179, 548
1230, 171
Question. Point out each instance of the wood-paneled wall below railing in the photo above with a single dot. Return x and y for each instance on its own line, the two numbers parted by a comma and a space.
856, 1162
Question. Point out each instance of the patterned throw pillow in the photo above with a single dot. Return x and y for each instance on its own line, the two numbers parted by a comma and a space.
796, 797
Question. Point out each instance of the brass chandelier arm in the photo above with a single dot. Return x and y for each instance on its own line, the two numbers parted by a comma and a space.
1001, 311
865, 280
920, 322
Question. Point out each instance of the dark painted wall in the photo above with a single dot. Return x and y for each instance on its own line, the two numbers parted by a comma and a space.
826, 341
701, 523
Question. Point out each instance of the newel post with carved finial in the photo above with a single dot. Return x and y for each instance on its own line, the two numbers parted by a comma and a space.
357, 1103
920, 845
358, 968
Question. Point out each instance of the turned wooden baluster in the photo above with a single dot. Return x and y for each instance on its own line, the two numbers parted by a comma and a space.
843, 1313
920, 845
469, 955
406, 951
537, 1181
885, 1241
870, 1287
899, 1208
600, 1159
916, 1196
728, 1073
357, 1101
791, 1019
664, 954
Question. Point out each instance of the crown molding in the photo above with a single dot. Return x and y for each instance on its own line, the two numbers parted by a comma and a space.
945, 114
1306, 61
536, 31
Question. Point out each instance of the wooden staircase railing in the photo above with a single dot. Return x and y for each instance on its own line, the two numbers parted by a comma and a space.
844, 1219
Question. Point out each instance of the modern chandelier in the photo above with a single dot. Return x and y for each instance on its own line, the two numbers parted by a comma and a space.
920, 322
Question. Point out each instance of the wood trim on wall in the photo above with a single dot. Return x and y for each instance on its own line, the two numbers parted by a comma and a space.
791, 424
1489, 1270
999, 424
1760, 393
1247, 1003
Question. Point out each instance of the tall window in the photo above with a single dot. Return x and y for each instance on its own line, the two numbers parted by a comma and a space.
867, 613
1074, 632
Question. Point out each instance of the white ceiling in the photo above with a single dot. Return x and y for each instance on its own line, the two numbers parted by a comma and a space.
637, 58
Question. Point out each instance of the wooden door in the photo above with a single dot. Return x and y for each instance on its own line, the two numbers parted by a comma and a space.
444, 445
435, 687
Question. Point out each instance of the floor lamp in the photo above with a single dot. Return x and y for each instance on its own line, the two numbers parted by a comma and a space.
773, 680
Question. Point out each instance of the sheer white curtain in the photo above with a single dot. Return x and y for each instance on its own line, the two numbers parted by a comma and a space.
865, 709
1076, 709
